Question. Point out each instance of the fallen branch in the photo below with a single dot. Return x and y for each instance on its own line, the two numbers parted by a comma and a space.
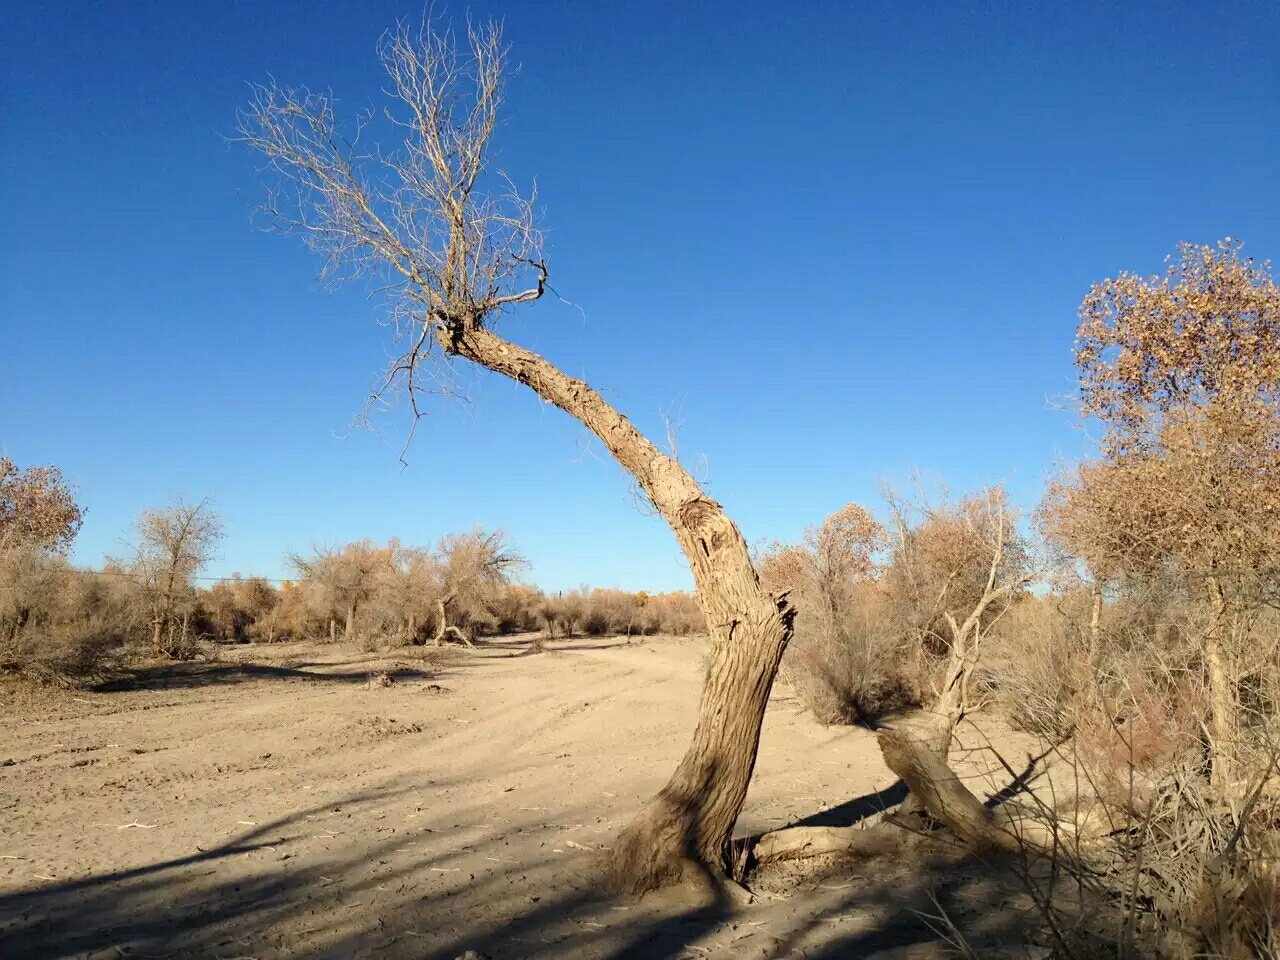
909, 751
1007, 827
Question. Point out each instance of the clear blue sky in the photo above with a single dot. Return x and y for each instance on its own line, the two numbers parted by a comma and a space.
842, 240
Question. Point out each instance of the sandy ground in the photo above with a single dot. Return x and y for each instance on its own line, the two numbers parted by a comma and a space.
279, 804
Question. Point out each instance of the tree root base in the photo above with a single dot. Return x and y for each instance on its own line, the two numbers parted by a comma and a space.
654, 854
684, 879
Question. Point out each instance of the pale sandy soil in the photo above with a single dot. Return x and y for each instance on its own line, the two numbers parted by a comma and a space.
276, 804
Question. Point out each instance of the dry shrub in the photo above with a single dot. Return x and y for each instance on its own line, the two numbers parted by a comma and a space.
60, 623
239, 610
518, 609
675, 614
609, 612
1135, 727
392, 601
884, 623
1132, 694
564, 613
1188, 866
846, 664
1036, 663
1191, 875
56, 621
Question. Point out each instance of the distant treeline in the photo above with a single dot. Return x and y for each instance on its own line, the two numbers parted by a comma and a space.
57, 619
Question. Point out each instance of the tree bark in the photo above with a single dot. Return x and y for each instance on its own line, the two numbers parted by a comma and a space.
1095, 621
442, 622
931, 731
684, 831
933, 728
1224, 722
351, 621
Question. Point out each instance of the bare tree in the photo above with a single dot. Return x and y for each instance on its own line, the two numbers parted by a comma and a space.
347, 578
956, 567
474, 568
237, 605
409, 586
174, 543
452, 255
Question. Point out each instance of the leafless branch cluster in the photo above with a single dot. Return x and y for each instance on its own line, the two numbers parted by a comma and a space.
957, 568
172, 544
448, 242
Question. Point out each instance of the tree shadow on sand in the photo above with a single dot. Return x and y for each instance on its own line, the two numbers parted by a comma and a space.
259, 896
183, 675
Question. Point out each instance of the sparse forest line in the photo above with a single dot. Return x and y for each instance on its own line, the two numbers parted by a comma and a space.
74, 625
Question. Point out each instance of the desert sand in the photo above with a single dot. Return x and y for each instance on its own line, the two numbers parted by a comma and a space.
303, 800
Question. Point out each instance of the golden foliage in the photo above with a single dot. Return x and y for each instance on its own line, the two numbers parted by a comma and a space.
1184, 373
1204, 336
37, 508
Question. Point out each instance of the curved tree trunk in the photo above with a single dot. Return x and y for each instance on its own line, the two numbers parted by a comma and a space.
443, 626
441, 623
684, 831
940, 792
933, 728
